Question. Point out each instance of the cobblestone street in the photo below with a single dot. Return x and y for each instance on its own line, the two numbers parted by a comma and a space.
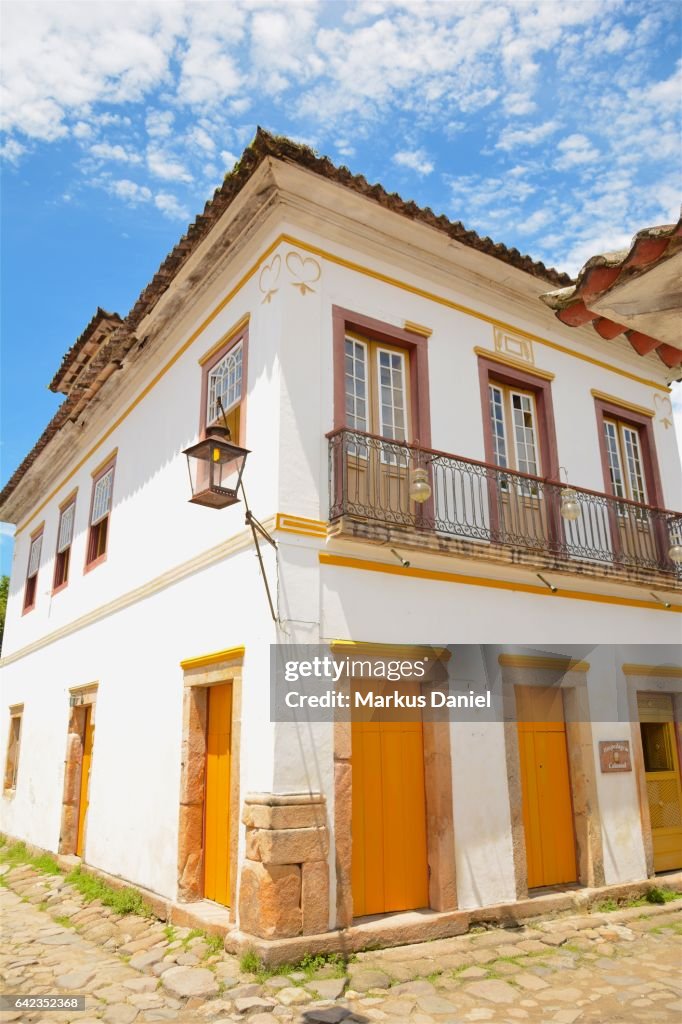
616, 967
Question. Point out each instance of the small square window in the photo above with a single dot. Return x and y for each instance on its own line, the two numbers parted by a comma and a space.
100, 513
64, 541
32, 572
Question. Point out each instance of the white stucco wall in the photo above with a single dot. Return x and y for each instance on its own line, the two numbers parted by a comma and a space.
134, 652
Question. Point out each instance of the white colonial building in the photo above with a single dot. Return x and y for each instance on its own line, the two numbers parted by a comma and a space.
440, 461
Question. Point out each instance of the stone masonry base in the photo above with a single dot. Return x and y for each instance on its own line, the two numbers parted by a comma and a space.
381, 932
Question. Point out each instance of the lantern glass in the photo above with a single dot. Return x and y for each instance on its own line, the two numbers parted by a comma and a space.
215, 469
570, 506
675, 553
420, 490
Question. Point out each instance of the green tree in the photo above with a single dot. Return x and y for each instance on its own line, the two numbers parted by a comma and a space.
4, 590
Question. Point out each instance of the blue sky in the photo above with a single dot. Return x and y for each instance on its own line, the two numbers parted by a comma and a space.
551, 126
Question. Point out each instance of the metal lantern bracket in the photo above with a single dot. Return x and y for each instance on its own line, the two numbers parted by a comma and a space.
256, 529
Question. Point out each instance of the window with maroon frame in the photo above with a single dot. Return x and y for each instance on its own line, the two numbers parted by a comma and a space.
31, 586
100, 514
64, 540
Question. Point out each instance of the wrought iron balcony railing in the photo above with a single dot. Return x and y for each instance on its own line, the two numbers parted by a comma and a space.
370, 479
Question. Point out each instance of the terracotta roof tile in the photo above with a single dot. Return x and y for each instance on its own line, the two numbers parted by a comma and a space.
649, 248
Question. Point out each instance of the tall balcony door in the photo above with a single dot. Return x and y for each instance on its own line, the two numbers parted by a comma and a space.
635, 535
521, 507
662, 773
377, 401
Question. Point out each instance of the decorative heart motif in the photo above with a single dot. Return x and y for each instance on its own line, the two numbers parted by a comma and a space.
664, 407
269, 276
305, 271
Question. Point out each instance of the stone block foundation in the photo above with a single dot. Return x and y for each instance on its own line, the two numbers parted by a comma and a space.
284, 887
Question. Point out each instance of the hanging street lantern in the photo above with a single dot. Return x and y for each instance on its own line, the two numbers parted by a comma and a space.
570, 506
420, 489
215, 469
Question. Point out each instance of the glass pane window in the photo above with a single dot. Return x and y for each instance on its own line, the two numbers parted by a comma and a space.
524, 433
356, 385
101, 499
613, 456
392, 417
66, 528
624, 456
497, 426
34, 556
633, 461
225, 383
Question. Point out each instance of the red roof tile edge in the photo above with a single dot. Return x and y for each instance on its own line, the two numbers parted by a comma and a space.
601, 272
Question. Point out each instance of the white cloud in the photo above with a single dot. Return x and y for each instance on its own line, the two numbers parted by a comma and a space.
228, 159
416, 159
513, 138
171, 207
575, 150
12, 150
129, 191
163, 165
105, 151
7, 530
159, 123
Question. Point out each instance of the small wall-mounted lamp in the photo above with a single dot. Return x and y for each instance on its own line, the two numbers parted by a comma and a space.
403, 561
547, 583
666, 604
419, 486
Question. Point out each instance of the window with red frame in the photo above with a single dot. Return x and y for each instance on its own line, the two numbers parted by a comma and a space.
32, 572
100, 513
64, 540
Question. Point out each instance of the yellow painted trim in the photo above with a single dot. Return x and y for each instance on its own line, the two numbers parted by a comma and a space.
68, 499
104, 463
379, 650
85, 688
226, 339
413, 328
229, 654
666, 671
350, 265
642, 410
449, 304
326, 558
299, 525
517, 364
539, 661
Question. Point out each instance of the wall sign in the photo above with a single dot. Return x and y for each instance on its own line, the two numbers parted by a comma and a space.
614, 756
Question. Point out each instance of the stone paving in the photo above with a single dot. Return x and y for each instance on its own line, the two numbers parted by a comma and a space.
620, 968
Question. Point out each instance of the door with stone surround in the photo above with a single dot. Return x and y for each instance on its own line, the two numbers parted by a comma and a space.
84, 788
389, 853
662, 774
217, 800
546, 788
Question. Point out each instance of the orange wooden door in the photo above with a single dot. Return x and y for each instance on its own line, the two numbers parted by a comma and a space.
390, 864
84, 793
545, 786
217, 801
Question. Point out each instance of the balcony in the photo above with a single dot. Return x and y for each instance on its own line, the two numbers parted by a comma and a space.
481, 511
